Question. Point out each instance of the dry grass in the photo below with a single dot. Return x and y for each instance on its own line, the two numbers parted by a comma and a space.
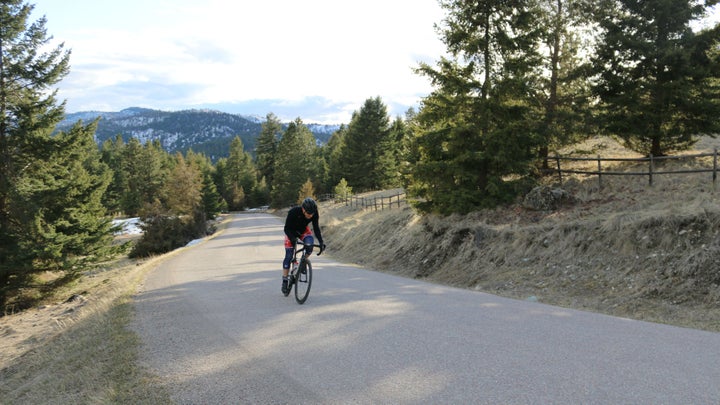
78, 351
81, 350
627, 249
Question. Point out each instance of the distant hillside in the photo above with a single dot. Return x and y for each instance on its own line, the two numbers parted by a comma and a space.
203, 131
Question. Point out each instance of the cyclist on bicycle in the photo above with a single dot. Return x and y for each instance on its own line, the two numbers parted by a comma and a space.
296, 227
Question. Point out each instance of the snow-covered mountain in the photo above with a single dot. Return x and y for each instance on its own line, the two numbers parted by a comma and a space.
204, 131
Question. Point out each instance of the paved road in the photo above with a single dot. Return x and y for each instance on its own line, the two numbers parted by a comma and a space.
216, 328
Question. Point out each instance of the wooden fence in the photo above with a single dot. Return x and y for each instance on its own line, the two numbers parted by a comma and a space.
651, 170
378, 203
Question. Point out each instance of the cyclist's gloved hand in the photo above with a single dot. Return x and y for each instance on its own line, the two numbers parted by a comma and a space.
322, 247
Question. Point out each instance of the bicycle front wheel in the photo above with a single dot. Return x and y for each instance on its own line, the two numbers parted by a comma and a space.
302, 283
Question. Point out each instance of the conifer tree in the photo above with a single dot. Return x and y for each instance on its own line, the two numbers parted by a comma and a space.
212, 201
62, 204
562, 87
240, 176
261, 193
183, 190
266, 146
307, 190
112, 152
342, 191
368, 149
332, 153
392, 155
145, 168
177, 215
321, 172
479, 126
29, 67
294, 163
220, 178
656, 77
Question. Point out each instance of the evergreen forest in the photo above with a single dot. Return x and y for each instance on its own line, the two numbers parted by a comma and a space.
520, 79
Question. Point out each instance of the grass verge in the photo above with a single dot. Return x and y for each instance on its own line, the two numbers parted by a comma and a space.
91, 356
81, 349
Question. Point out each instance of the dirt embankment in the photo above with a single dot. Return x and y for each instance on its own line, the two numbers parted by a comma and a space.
628, 249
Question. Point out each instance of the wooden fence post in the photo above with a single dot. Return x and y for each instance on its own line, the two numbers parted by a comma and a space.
374, 203
599, 173
650, 171
557, 159
714, 165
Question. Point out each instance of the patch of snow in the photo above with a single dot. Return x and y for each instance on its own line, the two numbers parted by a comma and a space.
129, 226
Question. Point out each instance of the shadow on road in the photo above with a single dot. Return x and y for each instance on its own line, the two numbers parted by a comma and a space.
217, 329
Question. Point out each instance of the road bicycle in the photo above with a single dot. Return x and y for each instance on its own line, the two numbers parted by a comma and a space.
300, 275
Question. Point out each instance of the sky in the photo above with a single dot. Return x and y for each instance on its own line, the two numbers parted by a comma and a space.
318, 60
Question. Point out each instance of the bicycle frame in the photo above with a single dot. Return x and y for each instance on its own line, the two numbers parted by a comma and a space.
300, 277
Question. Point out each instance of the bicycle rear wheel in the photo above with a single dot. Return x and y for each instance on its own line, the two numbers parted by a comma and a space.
302, 283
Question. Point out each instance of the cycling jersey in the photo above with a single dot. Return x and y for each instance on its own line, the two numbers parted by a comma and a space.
296, 225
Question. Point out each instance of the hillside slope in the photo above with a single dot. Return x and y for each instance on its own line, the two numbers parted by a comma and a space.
204, 131
628, 249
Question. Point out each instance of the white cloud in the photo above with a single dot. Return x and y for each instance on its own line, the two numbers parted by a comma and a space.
189, 54
176, 54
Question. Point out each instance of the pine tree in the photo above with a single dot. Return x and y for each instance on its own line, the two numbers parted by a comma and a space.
368, 149
183, 190
479, 126
212, 201
321, 174
29, 68
392, 154
294, 163
657, 78
177, 215
240, 176
342, 191
145, 168
261, 193
307, 190
332, 153
220, 178
62, 200
112, 152
266, 146
562, 86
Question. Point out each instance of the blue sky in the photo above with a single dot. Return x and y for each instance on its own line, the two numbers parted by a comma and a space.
314, 59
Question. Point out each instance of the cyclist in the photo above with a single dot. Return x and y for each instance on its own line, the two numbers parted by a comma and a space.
296, 227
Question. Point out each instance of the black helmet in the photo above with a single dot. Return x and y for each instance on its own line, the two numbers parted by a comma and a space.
309, 205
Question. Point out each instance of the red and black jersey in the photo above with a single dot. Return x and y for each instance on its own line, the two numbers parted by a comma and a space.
296, 224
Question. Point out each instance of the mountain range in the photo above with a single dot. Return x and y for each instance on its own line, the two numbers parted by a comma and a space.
204, 131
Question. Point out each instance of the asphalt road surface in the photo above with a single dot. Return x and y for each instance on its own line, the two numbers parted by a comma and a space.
217, 330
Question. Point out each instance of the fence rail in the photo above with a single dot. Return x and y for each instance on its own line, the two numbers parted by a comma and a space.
378, 203
651, 171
